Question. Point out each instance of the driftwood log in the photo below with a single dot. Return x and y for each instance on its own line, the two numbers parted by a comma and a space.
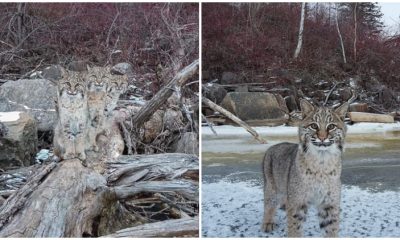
187, 227
370, 117
237, 120
67, 199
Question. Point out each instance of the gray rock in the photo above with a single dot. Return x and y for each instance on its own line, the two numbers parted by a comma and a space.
52, 73
214, 92
345, 94
188, 144
229, 78
33, 96
291, 103
257, 108
19, 143
122, 69
78, 66
242, 88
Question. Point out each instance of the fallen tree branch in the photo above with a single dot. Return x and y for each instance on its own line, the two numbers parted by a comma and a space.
186, 188
228, 114
167, 165
154, 104
209, 124
329, 94
185, 227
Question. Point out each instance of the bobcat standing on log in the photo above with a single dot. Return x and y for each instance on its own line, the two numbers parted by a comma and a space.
70, 131
308, 173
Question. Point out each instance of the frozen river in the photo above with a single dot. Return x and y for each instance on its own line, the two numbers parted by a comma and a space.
232, 198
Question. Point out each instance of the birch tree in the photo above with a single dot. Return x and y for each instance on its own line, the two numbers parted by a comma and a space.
355, 32
340, 35
301, 29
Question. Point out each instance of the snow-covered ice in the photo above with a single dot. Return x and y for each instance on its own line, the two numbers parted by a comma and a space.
9, 116
357, 128
235, 209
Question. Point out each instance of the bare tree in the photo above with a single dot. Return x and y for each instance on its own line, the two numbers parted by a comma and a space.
301, 29
340, 35
355, 33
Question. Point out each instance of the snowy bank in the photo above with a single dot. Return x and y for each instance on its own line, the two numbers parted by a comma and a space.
357, 128
235, 209
9, 116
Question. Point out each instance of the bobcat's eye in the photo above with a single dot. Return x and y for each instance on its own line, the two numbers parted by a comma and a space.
331, 127
314, 126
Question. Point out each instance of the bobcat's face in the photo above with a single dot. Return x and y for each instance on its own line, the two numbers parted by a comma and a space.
98, 79
117, 85
322, 128
72, 85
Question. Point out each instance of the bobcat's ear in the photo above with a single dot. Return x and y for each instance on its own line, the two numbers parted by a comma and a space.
342, 110
306, 108
64, 72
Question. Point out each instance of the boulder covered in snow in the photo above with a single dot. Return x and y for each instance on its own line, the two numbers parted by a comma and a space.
257, 108
122, 69
33, 96
18, 139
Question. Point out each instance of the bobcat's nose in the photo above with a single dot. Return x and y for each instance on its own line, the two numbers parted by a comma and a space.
322, 136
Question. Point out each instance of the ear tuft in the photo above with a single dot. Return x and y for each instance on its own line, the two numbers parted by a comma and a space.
342, 110
306, 108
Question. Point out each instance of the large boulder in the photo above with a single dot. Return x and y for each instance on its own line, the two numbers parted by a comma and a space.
122, 69
257, 108
18, 139
34, 96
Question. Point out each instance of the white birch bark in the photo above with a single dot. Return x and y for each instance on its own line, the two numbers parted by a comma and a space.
301, 29
340, 35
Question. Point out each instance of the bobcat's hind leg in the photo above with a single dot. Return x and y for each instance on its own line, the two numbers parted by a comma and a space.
270, 205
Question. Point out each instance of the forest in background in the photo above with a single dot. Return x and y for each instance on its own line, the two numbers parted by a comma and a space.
257, 41
157, 39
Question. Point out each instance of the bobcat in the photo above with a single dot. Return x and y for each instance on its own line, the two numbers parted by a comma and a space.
116, 86
299, 175
70, 131
98, 79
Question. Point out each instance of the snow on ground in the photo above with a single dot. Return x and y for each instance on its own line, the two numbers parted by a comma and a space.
235, 209
9, 116
357, 128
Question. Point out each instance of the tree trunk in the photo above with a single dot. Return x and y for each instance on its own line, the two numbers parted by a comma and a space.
301, 29
67, 199
355, 33
340, 35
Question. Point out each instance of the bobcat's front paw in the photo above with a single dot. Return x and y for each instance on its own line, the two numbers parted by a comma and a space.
268, 226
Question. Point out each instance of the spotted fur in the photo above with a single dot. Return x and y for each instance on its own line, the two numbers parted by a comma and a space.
307, 173
70, 131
